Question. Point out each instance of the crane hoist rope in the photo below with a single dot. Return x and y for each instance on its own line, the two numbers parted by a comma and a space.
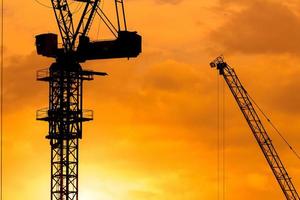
218, 140
1, 99
42, 4
245, 104
221, 141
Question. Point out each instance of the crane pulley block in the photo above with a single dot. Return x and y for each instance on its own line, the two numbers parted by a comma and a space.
219, 65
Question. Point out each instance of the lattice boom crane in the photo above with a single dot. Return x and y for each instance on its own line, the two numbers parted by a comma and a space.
65, 76
246, 106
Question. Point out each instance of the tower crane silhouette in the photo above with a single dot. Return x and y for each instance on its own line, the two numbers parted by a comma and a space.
245, 103
65, 76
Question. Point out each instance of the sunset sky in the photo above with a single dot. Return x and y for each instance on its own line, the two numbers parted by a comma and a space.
155, 129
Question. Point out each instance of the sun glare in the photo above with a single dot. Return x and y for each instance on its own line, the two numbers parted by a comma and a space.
89, 194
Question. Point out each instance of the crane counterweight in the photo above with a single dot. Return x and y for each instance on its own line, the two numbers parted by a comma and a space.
127, 45
46, 44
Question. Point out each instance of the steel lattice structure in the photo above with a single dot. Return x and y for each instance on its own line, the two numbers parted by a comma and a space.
246, 106
65, 114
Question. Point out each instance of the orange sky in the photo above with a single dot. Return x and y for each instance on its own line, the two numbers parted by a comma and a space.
154, 136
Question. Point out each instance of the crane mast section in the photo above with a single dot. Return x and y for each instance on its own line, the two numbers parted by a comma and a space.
245, 104
64, 20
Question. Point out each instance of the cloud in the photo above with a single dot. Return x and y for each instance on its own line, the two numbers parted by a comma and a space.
155, 118
261, 28
173, 2
146, 195
20, 86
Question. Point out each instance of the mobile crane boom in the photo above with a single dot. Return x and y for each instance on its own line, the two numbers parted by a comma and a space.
245, 104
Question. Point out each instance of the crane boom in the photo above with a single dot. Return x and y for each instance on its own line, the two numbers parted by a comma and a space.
64, 20
246, 106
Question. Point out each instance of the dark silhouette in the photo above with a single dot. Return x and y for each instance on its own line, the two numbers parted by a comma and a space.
65, 113
245, 103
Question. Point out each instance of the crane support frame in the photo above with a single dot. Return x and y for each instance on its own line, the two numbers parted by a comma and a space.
65, 129
65, 116
265, 143
65, 20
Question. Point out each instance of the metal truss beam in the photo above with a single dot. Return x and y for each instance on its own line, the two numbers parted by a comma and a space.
245, 104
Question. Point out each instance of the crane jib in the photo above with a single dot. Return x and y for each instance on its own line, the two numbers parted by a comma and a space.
246, 106
127, 44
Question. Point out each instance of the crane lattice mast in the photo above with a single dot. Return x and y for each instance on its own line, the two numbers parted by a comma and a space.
65, 77
246, 106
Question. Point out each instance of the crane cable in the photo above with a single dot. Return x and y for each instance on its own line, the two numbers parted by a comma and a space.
273, 126
46, 6
218, 139
221, 140
42, 4
77, 9
99, 24
1, 99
